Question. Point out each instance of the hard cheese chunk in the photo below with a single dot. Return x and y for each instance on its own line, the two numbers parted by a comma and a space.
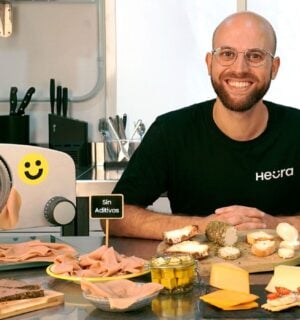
285, 276
231, 300
229, 276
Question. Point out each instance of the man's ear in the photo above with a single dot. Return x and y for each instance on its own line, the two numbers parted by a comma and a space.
208, 60
275, 67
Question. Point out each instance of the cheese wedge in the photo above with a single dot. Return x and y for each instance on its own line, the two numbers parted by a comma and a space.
228, 276
285, 276
230, 300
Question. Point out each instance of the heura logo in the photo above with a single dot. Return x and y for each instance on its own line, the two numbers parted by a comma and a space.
276, 174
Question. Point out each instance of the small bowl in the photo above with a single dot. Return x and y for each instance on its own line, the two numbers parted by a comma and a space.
103, 303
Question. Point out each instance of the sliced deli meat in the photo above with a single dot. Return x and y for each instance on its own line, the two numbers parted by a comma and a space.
102, 262
122, 293
34, 250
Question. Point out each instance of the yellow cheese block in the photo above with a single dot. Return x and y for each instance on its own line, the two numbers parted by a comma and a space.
229, 276
285, 276
243, 306
230, 300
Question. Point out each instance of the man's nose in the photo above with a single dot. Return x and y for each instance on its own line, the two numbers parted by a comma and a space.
240, 63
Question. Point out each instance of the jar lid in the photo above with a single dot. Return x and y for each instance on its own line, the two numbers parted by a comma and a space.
172, 261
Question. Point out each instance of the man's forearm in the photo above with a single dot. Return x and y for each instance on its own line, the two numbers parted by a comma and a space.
143, 223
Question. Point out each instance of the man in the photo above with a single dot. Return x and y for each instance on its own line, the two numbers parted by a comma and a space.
235, 158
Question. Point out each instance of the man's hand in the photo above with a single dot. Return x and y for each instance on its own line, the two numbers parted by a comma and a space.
245, 217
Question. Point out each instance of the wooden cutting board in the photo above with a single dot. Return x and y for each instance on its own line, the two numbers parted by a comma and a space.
247, 261
16, 307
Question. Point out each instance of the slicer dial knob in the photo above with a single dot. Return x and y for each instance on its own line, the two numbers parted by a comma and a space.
59, 211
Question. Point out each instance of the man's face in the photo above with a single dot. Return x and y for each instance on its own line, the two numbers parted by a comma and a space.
240, 86
240, 90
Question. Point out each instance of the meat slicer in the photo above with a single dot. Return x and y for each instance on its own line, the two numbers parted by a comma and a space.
37, 187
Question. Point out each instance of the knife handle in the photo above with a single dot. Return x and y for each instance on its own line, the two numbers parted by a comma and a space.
13, 100
52, 95
65, 99
25, 101
58, 100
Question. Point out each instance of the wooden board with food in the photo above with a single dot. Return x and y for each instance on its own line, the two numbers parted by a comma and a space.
252, 250
19, 297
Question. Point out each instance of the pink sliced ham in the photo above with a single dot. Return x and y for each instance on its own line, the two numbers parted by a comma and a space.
102, 262
121, 294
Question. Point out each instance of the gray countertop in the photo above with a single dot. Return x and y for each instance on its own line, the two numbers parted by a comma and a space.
76, 307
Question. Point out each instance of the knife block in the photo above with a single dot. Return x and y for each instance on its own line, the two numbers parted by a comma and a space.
70, 136
14, 129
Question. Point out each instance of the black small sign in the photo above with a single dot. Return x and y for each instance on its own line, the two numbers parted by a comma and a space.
107, 206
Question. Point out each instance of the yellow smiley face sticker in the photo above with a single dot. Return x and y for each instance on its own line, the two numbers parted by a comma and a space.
33, 168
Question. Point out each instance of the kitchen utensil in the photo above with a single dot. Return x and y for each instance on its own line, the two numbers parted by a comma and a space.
13, 100
65, 100
52, 95
123, 153
25, 101
126, 143
124, 119
58, 100
141, 129
103, 128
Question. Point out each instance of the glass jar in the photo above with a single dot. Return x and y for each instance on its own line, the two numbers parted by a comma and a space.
175, 272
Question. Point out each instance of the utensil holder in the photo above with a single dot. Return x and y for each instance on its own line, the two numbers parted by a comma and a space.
115, 152
14, 129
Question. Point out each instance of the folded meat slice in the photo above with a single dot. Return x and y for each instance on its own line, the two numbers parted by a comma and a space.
34, 250
120, 293
102, 262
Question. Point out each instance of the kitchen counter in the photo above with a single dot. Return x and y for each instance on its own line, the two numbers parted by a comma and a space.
76, 307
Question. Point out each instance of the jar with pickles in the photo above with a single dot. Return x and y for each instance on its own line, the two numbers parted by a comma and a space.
175, 272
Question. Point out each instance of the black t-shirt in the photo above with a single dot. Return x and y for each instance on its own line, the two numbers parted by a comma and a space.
185, 155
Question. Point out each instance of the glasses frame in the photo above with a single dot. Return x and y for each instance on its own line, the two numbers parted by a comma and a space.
229, 63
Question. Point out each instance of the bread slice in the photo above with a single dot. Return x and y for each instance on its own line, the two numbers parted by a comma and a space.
196, 249
258, 236
179, 235
18, 284
263, 248
9, 294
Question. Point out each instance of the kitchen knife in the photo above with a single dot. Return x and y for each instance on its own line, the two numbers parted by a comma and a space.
65, 102
58, 100
52, 95
13, 100
25, 101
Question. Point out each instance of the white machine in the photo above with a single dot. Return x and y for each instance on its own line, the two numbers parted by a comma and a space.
44, 181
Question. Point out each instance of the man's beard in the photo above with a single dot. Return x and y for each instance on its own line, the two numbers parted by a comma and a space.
243, 104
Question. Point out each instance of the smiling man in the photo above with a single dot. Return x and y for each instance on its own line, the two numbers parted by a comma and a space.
235, 158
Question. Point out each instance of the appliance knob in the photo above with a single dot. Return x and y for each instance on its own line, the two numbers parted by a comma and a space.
59, 211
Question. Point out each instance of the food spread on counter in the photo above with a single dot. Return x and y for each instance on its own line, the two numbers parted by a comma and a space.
34, 250
228, 252
254, 250
102, 262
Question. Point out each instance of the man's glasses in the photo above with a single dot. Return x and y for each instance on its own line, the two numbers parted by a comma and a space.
226, 56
